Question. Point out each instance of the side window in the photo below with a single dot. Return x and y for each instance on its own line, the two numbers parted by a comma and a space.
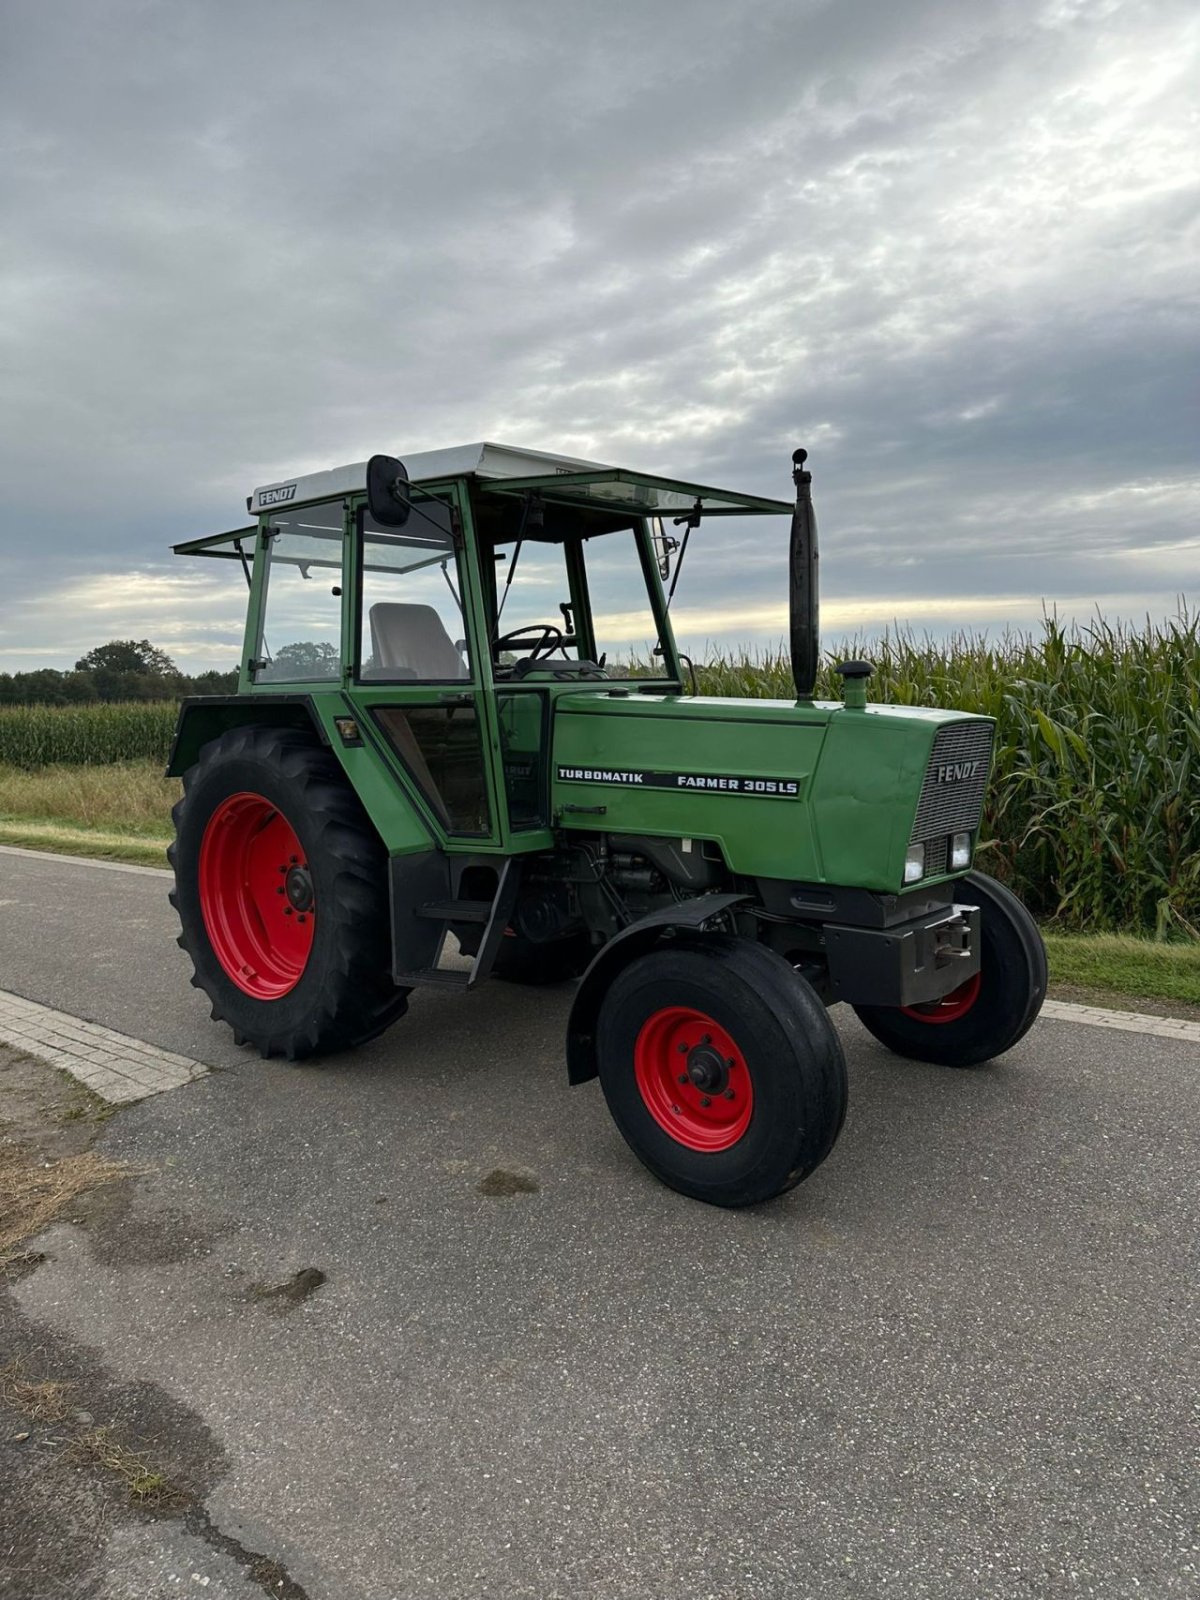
301, 638
412, 627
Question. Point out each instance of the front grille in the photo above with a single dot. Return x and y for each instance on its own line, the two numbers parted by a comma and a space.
952, 794
937, 856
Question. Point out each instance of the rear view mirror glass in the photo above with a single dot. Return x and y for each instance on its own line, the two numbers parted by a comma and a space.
387, 491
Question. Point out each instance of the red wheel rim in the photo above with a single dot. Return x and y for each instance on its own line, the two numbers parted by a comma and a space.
951, 1006
693, 1079
256, 896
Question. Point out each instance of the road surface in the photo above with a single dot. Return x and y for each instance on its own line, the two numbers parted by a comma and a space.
960, 1361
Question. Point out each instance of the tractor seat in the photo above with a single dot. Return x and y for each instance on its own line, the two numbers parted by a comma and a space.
411, 642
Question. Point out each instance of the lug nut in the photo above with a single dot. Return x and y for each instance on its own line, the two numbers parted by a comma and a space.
682, 1048
707, 1039
302, 917
683, 1077
295, 860
281, 890
287, 911
729, 1094
704, 1100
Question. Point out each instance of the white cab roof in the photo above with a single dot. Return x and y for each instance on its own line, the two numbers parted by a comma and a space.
483, 460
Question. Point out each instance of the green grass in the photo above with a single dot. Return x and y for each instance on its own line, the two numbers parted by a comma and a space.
119, 812
1120, 964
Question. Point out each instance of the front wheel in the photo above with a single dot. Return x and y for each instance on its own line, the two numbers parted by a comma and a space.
989, 1013
721, 1069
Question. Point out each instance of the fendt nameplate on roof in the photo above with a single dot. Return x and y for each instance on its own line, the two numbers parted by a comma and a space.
277, 497
464, 727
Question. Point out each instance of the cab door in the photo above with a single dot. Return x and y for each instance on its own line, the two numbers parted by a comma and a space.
417, 678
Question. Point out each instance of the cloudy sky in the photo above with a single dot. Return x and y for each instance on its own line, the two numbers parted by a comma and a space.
951, 248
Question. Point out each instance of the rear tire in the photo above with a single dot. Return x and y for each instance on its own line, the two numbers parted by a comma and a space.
764, 1091
987, 1016
268, 822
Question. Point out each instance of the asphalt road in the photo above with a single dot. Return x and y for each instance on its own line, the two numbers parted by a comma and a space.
961, 1361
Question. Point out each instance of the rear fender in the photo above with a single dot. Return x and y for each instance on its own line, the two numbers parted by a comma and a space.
205, 717
631, 942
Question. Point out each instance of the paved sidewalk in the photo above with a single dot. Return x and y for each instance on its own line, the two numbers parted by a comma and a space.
114, 1066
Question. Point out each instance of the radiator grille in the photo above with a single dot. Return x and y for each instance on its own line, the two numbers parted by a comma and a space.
952, 802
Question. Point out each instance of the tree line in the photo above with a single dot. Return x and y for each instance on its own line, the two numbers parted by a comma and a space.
122, 669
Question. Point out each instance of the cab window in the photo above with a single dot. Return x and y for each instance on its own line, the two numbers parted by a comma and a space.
300, 639
411, 626
622, 618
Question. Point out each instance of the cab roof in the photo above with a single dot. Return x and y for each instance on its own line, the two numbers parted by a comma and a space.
481, 460
506, 470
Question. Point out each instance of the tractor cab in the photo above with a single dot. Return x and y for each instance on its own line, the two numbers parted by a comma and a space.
455, 614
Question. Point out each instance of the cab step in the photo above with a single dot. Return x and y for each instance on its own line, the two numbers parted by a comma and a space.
493, 916
437, 977
456, 910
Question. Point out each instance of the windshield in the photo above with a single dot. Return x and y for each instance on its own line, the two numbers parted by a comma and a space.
575, 600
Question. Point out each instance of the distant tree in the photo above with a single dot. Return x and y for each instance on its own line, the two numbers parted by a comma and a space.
307, 658
129, 655
212, 682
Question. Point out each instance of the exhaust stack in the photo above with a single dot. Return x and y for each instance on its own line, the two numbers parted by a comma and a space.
803, 601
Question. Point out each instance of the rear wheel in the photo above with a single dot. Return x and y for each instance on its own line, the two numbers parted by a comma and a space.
990, 1012
281, 889
721, 1069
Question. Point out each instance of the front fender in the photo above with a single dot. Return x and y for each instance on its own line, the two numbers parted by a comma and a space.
631, 942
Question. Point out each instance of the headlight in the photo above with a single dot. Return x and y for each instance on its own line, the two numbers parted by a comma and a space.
960, 852
914, 863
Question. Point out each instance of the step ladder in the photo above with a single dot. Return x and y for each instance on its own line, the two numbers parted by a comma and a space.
494, 915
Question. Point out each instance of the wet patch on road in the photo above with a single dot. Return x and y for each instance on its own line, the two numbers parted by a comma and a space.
503, 1182
293, 1291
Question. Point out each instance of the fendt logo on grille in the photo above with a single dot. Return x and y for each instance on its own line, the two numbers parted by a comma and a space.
957, 771
277, 497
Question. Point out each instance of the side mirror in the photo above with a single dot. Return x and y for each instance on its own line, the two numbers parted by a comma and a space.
387, 491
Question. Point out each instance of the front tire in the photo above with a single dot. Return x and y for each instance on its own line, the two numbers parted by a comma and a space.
988, 1014
721, 1069
281, 890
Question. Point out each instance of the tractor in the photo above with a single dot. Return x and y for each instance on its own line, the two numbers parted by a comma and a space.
462, 714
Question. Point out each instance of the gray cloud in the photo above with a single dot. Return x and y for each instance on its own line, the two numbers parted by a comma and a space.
950, 248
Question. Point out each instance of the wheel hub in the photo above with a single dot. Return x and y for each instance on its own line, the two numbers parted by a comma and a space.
707, 1069
693, 1078
298, 886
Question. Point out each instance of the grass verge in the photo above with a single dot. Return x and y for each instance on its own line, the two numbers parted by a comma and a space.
120, 812
1116, 963
96, 842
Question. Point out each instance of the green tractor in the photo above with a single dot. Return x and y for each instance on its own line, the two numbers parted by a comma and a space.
462, 711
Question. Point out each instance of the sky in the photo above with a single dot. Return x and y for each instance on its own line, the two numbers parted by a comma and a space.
951, 249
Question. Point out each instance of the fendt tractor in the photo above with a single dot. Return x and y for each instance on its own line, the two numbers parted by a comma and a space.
462, 712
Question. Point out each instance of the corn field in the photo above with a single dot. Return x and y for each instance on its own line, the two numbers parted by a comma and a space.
86, 735
1093, 812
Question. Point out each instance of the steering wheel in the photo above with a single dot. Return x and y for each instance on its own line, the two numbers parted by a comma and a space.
549, 638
